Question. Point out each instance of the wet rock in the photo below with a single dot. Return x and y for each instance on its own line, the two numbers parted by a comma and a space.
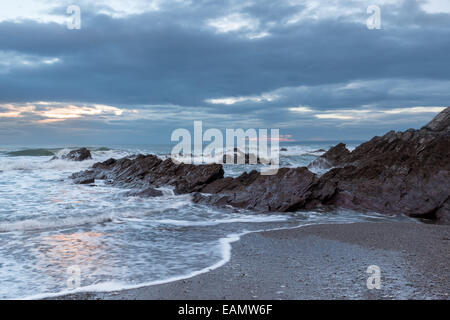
76, 155
145, 171
334, 157
442, 213
147, 193
288, 190
401, 172
283, 149
82, 180
440, 123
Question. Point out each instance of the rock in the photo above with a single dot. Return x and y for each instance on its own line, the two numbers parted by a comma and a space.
149, 171
76, 155
82, 180
442, 214
288, 190
283, 149
106, 164
401, 172
334, 157
147, 193
441, 123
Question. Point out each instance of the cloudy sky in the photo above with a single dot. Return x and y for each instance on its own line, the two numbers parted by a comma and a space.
138, 69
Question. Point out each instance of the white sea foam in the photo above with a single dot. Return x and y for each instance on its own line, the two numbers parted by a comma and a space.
61, 223
48, 223
111, 286
24, 163
213, 222
224, 246
29, 225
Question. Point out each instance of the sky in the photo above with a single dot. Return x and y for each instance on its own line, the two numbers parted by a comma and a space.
136, 70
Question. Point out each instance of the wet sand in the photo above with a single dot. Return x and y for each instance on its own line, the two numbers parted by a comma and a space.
320, 262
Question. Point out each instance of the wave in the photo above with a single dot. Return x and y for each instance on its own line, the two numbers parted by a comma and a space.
213, 222
33, 153
100, 149
33, 225
27, 160
224, 246
38, 225
46, 152
111, 286
229, 154
27, 165
69, 222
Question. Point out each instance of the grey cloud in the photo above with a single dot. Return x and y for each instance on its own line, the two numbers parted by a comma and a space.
152, 58
171, 57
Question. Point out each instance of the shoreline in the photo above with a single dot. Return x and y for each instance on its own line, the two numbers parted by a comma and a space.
326, 261
226, 247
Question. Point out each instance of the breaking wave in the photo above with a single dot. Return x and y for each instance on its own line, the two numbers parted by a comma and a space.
47, 223
42, 152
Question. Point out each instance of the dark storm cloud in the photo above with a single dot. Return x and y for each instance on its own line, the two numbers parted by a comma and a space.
176, 59
172, 57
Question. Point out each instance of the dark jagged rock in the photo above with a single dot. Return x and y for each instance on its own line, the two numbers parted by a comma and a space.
334, 157
148, 171
288, 190
147, 193
76, 155
400, 172
442, 214
440, 123
82, 180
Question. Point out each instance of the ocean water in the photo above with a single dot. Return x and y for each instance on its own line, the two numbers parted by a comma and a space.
57, 237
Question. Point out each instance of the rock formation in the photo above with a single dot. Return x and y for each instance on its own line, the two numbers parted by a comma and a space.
288, 190
401, 172
76, 155
149, 171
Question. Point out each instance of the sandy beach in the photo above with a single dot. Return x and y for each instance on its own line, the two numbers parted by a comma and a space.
320, 262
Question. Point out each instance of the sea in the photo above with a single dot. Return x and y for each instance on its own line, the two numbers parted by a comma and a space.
57, 237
